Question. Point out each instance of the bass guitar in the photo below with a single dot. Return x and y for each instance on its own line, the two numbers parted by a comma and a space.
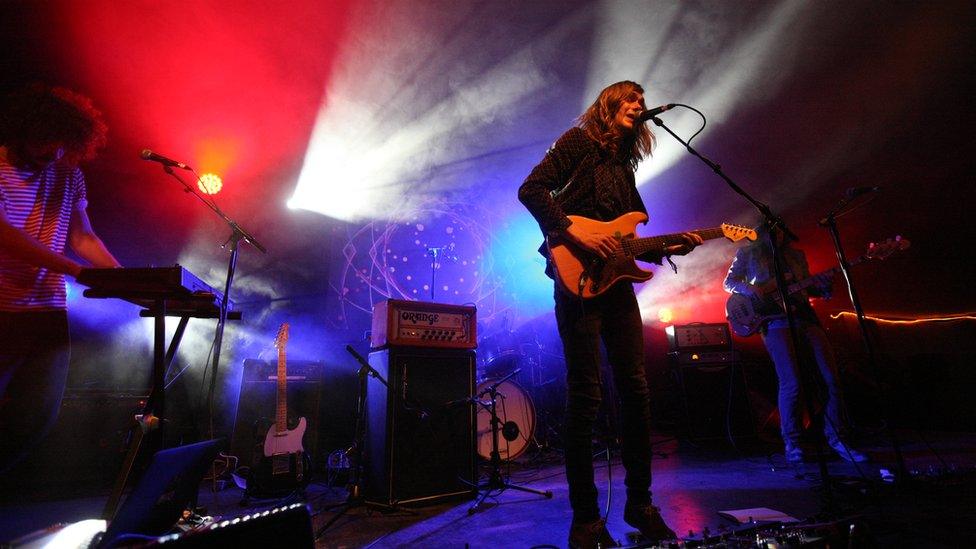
586, 275
747, 314
282, 467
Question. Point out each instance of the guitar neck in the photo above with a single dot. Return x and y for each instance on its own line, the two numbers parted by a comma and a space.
281, 417
638, 246
809, 281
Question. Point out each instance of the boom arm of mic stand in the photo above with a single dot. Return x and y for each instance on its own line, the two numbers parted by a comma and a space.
365, 365
772, 219
238, 231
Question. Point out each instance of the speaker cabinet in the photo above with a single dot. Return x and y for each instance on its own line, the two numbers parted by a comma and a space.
86, 446
420, 443
716, 401
257, 405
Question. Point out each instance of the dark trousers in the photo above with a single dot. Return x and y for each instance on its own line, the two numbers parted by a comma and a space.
34, 354
614, 318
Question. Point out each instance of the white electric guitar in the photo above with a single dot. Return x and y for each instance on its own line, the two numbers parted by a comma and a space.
282, 467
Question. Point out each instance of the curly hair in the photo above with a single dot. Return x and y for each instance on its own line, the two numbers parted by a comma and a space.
46, 114
598, 123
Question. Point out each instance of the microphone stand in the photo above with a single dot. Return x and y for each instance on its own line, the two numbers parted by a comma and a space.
434, 252
495, 479
830, 223
807, 370
237, 235
356, 497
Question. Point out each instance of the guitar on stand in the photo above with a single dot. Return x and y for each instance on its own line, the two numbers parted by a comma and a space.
585, 275
283, 464
747, 314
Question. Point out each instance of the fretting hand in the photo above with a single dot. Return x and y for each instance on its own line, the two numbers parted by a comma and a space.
689, 242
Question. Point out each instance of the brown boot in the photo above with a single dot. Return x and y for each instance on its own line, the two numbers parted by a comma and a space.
647, 518
590, 535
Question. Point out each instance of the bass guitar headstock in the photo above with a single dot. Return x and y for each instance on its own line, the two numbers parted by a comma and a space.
736, 233
884, 250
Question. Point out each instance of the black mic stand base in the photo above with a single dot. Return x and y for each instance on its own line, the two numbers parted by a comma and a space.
495, 480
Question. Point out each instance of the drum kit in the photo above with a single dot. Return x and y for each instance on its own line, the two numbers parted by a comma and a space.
524, 376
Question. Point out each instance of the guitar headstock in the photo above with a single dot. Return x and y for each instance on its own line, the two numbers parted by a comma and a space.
282, 338
738, 232
883, 250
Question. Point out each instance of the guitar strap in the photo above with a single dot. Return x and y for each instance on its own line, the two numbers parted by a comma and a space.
556, 194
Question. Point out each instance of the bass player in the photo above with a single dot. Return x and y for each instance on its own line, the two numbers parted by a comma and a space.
752, 275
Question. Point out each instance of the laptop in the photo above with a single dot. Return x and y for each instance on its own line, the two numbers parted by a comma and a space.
169, 486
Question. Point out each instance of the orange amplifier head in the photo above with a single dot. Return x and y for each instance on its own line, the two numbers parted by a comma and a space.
421, 324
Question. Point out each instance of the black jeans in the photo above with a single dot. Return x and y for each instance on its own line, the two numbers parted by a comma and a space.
34, 354
614, 318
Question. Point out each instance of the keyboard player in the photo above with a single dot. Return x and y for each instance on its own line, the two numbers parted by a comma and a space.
44, 133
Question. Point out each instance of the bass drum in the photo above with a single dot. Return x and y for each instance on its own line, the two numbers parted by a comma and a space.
517, 415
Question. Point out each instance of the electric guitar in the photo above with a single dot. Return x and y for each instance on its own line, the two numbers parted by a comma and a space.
746, 314
585, 275
283, 463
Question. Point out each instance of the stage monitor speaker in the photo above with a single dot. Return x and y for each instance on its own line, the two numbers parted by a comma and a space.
420, 438
257, 405
716, 401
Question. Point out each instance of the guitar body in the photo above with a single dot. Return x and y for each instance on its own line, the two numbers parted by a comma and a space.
586, 275
745, 316
283, 464
287, 442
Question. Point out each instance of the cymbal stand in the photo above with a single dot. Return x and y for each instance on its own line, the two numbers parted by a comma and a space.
495, 480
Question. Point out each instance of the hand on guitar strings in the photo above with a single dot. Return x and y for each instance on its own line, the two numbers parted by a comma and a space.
691, 240
601, 244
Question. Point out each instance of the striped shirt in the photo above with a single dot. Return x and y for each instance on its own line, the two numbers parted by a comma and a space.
40, 203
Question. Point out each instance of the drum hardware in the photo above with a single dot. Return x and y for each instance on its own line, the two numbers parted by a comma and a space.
495, 480
517, 414
502, 352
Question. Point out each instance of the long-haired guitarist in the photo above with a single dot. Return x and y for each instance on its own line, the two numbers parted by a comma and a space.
751, 274
589, 171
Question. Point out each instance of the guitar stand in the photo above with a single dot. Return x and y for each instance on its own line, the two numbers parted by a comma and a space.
495, 480
151, 418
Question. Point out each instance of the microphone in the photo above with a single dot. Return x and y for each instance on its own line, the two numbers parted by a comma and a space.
648, 114
147, 154
854, 192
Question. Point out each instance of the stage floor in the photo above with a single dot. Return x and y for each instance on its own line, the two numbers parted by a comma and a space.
692, 483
